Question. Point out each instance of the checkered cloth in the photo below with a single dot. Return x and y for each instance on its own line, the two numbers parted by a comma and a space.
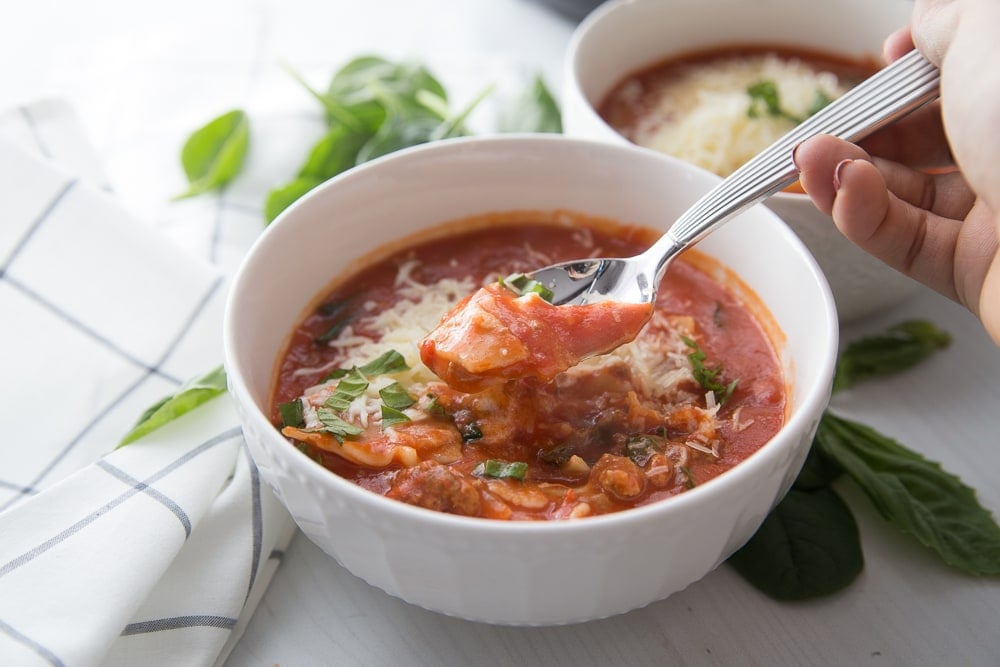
156, 553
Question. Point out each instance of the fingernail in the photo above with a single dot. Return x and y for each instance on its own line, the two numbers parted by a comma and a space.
795, 160
838, 171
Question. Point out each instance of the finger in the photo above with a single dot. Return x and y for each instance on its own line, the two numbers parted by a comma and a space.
816, 160
918, 140
947, 195
911, 240
934, 23
897, 44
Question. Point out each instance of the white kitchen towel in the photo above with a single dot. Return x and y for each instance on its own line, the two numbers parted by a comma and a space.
155, 553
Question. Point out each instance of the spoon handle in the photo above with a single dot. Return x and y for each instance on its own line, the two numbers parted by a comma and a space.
889, 94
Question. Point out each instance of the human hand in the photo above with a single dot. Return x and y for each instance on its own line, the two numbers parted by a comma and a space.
924, 194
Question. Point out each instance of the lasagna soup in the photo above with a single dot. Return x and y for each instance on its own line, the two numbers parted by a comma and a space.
697, 391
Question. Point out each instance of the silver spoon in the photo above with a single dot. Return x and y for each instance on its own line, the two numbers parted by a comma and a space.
886, 96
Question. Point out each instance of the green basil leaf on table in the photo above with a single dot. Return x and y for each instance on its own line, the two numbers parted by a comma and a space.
818, 471
915, 494
536, 110
808, 546
213, 155
192, 394
897, 349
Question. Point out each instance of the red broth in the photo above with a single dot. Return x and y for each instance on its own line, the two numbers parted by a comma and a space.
618, 431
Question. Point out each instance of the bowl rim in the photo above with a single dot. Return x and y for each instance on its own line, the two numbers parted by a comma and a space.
814, 396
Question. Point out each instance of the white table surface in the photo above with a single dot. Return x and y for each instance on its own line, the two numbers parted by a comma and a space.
141, 76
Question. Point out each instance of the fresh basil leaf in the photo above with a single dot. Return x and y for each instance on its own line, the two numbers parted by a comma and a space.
498, 469
356, 81
386, 364
454, 126
336, 426
536, 110
899, 348
396, 397
391, 416
352, 385
193, 393
807, 547
213, 155
291, 414
400, 130
915, 494
818, 471
336, 152
281, 197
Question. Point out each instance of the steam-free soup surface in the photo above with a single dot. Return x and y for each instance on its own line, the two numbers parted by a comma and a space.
694, 394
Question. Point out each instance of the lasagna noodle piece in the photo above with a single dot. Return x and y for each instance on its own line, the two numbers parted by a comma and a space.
495, 336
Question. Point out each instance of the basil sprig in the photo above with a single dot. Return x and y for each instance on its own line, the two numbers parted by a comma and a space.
373, 107
808, 546
915, 495
536, 110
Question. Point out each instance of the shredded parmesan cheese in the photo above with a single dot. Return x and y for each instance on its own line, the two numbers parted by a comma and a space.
702, 115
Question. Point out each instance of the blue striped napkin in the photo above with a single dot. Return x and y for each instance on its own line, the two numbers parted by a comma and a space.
155, 553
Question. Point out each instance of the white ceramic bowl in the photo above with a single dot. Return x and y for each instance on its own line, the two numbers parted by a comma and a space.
623, 36
523, 573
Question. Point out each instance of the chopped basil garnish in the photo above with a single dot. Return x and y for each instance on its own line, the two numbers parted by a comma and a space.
641, 447
387, 364
394, 396
707, 377
336, 426
521, 284
291, 414
352, 385
434, 407
501, 469
820, 100
391, 416
471, 432
557, 455
765, 100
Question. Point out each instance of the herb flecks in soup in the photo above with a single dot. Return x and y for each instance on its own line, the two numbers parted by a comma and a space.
497, 335
717, 109
696, 392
